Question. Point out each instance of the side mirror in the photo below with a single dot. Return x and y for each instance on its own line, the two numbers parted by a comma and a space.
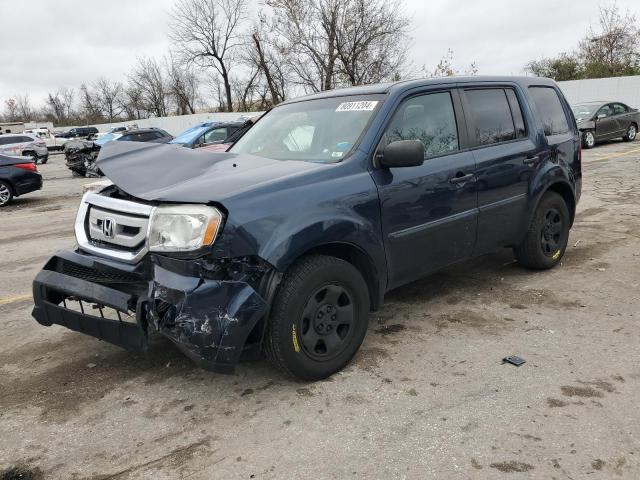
402, 153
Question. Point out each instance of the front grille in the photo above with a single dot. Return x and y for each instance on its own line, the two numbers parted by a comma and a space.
112, 227
117, 229
97, 276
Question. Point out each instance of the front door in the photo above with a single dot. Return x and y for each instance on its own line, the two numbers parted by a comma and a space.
429, 212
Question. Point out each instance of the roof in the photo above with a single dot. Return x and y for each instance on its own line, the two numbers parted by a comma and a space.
383, 88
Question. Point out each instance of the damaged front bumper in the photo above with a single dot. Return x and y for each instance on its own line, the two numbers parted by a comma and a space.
210, 310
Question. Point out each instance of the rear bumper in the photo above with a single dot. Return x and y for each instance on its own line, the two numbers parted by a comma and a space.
28, 183
208, 319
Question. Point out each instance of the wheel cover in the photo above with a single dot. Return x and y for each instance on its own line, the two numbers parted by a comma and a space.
631, 133
590, 139
328, 322
5, 194
552, 229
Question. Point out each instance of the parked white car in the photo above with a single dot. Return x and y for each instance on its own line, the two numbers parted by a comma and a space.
53, 143
26, 145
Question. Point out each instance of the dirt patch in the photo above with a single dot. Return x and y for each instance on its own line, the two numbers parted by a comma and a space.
390, 329
469, 319
597, 464
512, 466
584, 392
555, 403
62, 390
21, 472
369, 358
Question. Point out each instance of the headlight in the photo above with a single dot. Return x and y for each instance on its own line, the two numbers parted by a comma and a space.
182, 228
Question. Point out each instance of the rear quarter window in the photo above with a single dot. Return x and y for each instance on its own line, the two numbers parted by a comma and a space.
548, 107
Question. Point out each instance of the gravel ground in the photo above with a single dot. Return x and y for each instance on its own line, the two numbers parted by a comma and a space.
426, 397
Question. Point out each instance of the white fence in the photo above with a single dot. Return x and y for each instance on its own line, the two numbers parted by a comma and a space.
178, 124
623, 89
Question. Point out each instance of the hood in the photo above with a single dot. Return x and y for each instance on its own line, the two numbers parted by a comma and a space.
171, 173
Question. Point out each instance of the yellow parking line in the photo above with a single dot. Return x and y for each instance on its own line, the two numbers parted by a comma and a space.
609, 157
14, 298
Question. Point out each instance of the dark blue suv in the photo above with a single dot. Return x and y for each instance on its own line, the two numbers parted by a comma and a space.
285, 243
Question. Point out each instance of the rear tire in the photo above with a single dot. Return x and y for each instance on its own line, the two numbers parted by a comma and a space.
318, 319
45, 159
588, 139
546, 241
6, 193
631, 134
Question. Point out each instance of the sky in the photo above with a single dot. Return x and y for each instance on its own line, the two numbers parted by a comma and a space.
47, 44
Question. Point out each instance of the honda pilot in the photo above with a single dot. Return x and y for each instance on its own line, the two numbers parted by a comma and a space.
284, 244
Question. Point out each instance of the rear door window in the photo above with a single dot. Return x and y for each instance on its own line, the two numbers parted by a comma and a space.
429, 118
491, 116
215, 135
549, 109
619, 109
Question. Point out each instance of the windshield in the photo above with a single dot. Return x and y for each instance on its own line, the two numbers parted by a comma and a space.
190, 135
107, 137
585, 110
322, 130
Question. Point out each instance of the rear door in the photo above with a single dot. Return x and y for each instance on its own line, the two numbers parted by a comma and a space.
429, 212
506, 155
606, 125
622, 117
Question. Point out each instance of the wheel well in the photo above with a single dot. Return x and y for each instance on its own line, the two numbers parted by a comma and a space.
565, 192
360, 260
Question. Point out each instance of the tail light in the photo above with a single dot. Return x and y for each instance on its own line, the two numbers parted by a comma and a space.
27, 166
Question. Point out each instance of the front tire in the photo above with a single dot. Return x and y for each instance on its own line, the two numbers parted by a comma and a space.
318, 319
6, 193
588, 139
546, 241
45, 159
631, 134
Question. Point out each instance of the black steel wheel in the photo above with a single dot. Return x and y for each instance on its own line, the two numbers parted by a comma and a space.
326, 326
318, 318
551, 232
546, 240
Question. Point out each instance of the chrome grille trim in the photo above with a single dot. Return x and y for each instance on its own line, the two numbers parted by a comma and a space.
126, 211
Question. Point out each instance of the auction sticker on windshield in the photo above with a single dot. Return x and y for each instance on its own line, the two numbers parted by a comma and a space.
365, 106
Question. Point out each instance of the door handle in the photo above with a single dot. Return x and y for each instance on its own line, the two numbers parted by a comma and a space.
531, 160
461, 178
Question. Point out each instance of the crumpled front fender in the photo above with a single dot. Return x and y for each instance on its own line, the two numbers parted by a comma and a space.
209, 320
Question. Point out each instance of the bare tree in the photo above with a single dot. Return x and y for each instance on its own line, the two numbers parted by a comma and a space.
307, 31
11, 110
89, 105
132, 102
108, 94
445, 67
59, 105
25, 110
150, 81
372, 40
183, 86
267, 58
207, 33
613, 49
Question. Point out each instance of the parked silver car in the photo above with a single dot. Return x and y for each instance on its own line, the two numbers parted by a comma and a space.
26, 145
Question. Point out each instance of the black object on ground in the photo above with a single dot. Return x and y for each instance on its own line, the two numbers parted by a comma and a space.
514, 360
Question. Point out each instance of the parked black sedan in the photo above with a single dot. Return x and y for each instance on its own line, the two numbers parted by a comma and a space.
18, 175
599, 121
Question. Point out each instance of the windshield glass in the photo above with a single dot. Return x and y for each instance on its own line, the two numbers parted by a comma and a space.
107, 137
190, 135
322, 130
585, 110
